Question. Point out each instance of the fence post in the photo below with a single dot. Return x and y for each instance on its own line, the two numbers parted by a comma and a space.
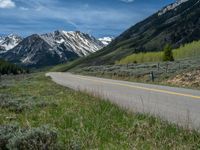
152, 76
167, 65
158, 66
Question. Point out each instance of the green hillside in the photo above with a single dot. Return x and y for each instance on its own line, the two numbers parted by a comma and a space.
186, 51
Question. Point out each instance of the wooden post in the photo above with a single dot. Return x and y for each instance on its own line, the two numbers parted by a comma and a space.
167, 66
158, 66
152, 76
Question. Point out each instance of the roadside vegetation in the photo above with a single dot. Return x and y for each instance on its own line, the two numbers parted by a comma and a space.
184, 70
186, 51
36, 113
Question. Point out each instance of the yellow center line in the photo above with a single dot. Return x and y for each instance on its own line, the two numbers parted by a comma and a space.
142, 88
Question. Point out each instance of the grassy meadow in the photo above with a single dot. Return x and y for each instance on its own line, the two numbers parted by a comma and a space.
33, 109
186, 51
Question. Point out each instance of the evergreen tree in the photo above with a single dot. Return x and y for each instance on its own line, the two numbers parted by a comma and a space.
9, 68
168, 54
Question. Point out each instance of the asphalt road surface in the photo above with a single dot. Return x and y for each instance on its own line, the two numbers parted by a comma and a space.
176, 105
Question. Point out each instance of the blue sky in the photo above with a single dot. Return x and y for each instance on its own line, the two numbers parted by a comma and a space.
97, 17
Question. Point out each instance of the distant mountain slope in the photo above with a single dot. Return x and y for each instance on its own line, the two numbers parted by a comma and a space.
176, 24
106, 40
9, 42
52, 48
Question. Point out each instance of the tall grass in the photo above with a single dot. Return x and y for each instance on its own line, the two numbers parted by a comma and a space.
186, 51
82, 121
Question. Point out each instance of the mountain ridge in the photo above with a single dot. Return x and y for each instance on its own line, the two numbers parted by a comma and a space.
52, 48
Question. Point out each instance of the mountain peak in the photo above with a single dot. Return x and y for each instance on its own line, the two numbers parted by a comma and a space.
81, 43
8, 42
34, 35
13, 35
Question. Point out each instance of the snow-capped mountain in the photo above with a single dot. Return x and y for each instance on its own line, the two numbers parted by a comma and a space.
9, 42
52, 48
106, 40
171, 7
80, 43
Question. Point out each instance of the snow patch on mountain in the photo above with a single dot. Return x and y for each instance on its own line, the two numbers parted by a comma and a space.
75, 41
106, 40
9, 42
171, 7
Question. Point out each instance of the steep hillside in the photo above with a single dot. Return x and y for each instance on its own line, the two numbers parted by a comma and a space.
176, 24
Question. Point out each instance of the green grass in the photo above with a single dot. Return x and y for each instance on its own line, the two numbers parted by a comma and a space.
186, 51
66, 66
142, 57
87, 122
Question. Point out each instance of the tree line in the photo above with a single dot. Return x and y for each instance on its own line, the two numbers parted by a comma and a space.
9, 68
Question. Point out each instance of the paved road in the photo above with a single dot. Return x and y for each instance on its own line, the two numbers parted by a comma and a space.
177, 105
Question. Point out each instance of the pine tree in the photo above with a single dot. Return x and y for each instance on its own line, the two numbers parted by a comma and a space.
168, 54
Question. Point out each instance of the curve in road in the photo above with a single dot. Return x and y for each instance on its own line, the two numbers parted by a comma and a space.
177, 105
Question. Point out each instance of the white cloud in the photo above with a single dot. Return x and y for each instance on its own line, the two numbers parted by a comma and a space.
127, 1
24, 8
7, 4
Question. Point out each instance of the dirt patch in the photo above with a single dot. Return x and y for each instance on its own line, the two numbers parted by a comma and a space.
189, 79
